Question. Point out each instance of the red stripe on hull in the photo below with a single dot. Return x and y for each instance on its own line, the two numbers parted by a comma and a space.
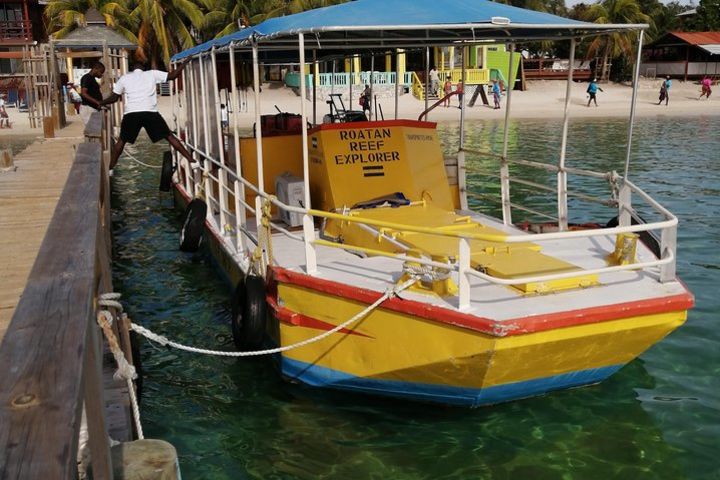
298, 319
515, 326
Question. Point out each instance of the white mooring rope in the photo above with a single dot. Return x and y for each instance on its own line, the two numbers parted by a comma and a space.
132, 157
125, 371
164, 341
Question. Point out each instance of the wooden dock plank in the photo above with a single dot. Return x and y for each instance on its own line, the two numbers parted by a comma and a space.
28, 197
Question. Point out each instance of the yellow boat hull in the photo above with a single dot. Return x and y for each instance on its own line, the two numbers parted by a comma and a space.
447, 357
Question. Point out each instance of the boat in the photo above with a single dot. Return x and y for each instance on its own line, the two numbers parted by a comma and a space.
356, 260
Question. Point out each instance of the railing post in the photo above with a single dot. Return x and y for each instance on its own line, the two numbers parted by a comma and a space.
238, 187
309, 238
625, 206
463, 277
222, 174
504, 166
668, 243
95, 407
562, 207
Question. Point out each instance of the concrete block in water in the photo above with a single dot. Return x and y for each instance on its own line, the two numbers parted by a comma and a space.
145, 460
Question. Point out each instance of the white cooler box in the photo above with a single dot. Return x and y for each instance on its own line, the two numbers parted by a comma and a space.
290, 190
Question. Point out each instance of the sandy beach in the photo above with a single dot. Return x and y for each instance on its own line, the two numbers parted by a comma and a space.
542, 100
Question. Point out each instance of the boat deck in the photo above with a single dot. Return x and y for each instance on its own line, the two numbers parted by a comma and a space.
488, 300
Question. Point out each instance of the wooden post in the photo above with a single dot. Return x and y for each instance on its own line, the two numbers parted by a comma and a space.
6, 160
49, 127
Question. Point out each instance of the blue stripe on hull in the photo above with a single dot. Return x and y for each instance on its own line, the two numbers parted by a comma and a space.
325, 377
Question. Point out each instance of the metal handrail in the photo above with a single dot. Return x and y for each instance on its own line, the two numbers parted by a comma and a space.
436, 104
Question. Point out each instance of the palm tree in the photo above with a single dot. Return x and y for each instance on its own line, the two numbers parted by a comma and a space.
164, 27
226, 16
619, 43
64, 16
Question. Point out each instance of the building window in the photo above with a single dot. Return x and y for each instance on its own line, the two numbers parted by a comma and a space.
11, 12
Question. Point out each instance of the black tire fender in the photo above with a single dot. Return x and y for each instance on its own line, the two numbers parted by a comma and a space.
249, 315
193, 225
167, 172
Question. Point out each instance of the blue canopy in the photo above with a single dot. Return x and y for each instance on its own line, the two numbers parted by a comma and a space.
395, 23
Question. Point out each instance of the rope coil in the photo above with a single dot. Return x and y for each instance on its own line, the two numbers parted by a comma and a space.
125, 371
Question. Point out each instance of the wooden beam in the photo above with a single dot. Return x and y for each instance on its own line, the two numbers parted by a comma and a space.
44, 349
80, 54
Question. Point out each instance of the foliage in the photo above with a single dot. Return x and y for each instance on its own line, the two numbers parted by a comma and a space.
707, 17
64, 16
164, 27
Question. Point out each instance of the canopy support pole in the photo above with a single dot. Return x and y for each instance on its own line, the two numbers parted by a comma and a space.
504, 165
562, 193
222, 174
193, 118
372, 93
314, 85
461, 170
258, 125
397, 81
636, 77
206, 134
427, 77
332, 79
308, 224
350, 80
238, 187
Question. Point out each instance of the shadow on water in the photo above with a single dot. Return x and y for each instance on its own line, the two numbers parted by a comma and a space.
234, 419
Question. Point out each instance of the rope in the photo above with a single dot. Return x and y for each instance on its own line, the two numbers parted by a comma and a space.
125, 371
164, 341
132, 157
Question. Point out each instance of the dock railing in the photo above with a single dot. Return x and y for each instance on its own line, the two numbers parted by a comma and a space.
52, 351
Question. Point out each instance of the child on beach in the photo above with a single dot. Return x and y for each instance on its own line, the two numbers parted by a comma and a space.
592, 91
496, 94
447, 90
706, 88
460, 91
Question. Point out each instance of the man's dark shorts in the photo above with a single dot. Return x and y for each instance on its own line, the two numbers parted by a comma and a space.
153, 123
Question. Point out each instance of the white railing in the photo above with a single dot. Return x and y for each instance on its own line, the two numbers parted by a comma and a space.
461, 265
229, 181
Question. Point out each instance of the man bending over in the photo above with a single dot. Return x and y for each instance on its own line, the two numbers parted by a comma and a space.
141, 109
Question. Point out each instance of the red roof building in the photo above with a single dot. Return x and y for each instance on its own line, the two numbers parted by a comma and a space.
683, 55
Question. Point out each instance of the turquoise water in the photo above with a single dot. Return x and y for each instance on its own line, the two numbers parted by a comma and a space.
658, 418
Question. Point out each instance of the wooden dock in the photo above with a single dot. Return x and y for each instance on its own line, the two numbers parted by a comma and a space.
28, 197
54, 263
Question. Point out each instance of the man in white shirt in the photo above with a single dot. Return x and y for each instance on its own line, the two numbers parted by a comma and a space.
141, 109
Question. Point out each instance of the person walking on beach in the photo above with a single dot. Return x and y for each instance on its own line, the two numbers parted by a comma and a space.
90, 92
460, 89
706, 88
665, 88
224, 120
74, 97
592, 90
434, 80
447, 90
4, 117
141, 109
496, 94
365, 99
